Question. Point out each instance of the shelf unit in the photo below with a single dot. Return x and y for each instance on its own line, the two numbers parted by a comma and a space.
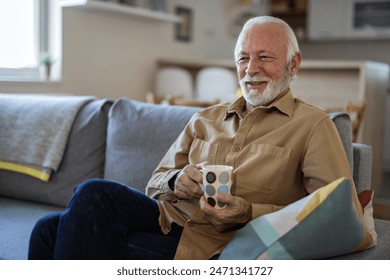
294, 12
121, 8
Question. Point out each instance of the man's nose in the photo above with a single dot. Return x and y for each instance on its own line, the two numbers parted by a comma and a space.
254, 67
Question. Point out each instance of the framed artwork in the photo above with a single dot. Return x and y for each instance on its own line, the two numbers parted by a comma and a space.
183, 30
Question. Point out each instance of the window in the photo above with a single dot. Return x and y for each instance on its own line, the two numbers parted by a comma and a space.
24, 29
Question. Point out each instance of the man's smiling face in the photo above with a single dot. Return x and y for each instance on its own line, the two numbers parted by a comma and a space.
262, 66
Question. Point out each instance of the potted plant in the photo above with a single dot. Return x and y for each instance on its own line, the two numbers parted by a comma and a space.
46, 61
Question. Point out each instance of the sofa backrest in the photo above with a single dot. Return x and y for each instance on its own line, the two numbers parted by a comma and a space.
124, 141
138, 136
83, 159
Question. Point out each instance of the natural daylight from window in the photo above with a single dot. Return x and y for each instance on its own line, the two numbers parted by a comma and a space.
23, 33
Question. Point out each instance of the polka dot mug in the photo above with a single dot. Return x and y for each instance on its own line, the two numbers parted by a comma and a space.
216, 178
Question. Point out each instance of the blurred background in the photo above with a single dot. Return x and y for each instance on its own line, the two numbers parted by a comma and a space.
116, 48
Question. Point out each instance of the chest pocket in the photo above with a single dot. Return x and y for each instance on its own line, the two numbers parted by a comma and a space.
203, 151
260, 167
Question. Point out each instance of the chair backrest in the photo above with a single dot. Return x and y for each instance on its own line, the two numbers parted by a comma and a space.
344, 128
173, 81
356, 113
216, 83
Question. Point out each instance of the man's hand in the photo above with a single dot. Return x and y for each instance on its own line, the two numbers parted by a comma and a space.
236, 213
188, 183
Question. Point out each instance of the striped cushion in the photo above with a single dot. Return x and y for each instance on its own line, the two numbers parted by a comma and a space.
328, 222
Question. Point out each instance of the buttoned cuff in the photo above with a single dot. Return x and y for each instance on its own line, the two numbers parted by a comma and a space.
168, 183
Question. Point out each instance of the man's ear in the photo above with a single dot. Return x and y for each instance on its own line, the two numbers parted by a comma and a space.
295, 64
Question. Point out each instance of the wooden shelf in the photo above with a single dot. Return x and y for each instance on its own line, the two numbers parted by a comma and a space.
121, 8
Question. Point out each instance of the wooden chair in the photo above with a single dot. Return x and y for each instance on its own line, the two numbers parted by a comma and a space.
171, 81
216, 83
174, 100
178, 100
152, 98
356, 112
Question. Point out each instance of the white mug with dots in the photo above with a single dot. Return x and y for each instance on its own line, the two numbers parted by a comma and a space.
216, 178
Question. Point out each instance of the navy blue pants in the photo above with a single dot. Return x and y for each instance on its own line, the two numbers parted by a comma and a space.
104, 220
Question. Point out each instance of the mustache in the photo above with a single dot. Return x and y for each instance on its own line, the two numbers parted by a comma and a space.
252, 79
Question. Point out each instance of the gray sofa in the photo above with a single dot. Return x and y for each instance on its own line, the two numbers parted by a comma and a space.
124, 141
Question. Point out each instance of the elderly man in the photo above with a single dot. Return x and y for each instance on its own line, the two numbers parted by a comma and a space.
281, 149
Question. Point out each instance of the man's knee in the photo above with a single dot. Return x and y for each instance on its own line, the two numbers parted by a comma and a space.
92, 186
96, 190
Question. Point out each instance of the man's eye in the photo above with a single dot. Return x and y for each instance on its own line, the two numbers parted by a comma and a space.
242, 59
265, 58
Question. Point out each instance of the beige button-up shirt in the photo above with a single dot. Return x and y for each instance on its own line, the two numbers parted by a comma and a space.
280, 153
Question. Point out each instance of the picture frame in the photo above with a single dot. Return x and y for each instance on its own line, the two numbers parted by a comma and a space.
183, 30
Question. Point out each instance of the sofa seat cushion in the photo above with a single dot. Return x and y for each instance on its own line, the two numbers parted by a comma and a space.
17, 219
83, 159
138, 136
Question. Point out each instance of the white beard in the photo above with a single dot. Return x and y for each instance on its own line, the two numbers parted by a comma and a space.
270, 93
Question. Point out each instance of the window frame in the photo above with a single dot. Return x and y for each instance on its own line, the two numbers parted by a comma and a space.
42, 13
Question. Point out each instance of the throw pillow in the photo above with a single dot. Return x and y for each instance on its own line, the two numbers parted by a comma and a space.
326, 223
365, 198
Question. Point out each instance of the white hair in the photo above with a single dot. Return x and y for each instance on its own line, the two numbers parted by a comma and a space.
292, 43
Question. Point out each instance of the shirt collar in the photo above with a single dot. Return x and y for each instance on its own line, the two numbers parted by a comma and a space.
284, 103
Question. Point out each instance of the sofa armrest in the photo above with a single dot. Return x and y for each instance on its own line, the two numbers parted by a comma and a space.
362, 160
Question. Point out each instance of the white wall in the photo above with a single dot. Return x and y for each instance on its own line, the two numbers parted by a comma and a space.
110, 54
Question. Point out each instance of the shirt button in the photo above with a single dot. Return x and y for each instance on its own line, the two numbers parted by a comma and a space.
236, 148
191, 224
